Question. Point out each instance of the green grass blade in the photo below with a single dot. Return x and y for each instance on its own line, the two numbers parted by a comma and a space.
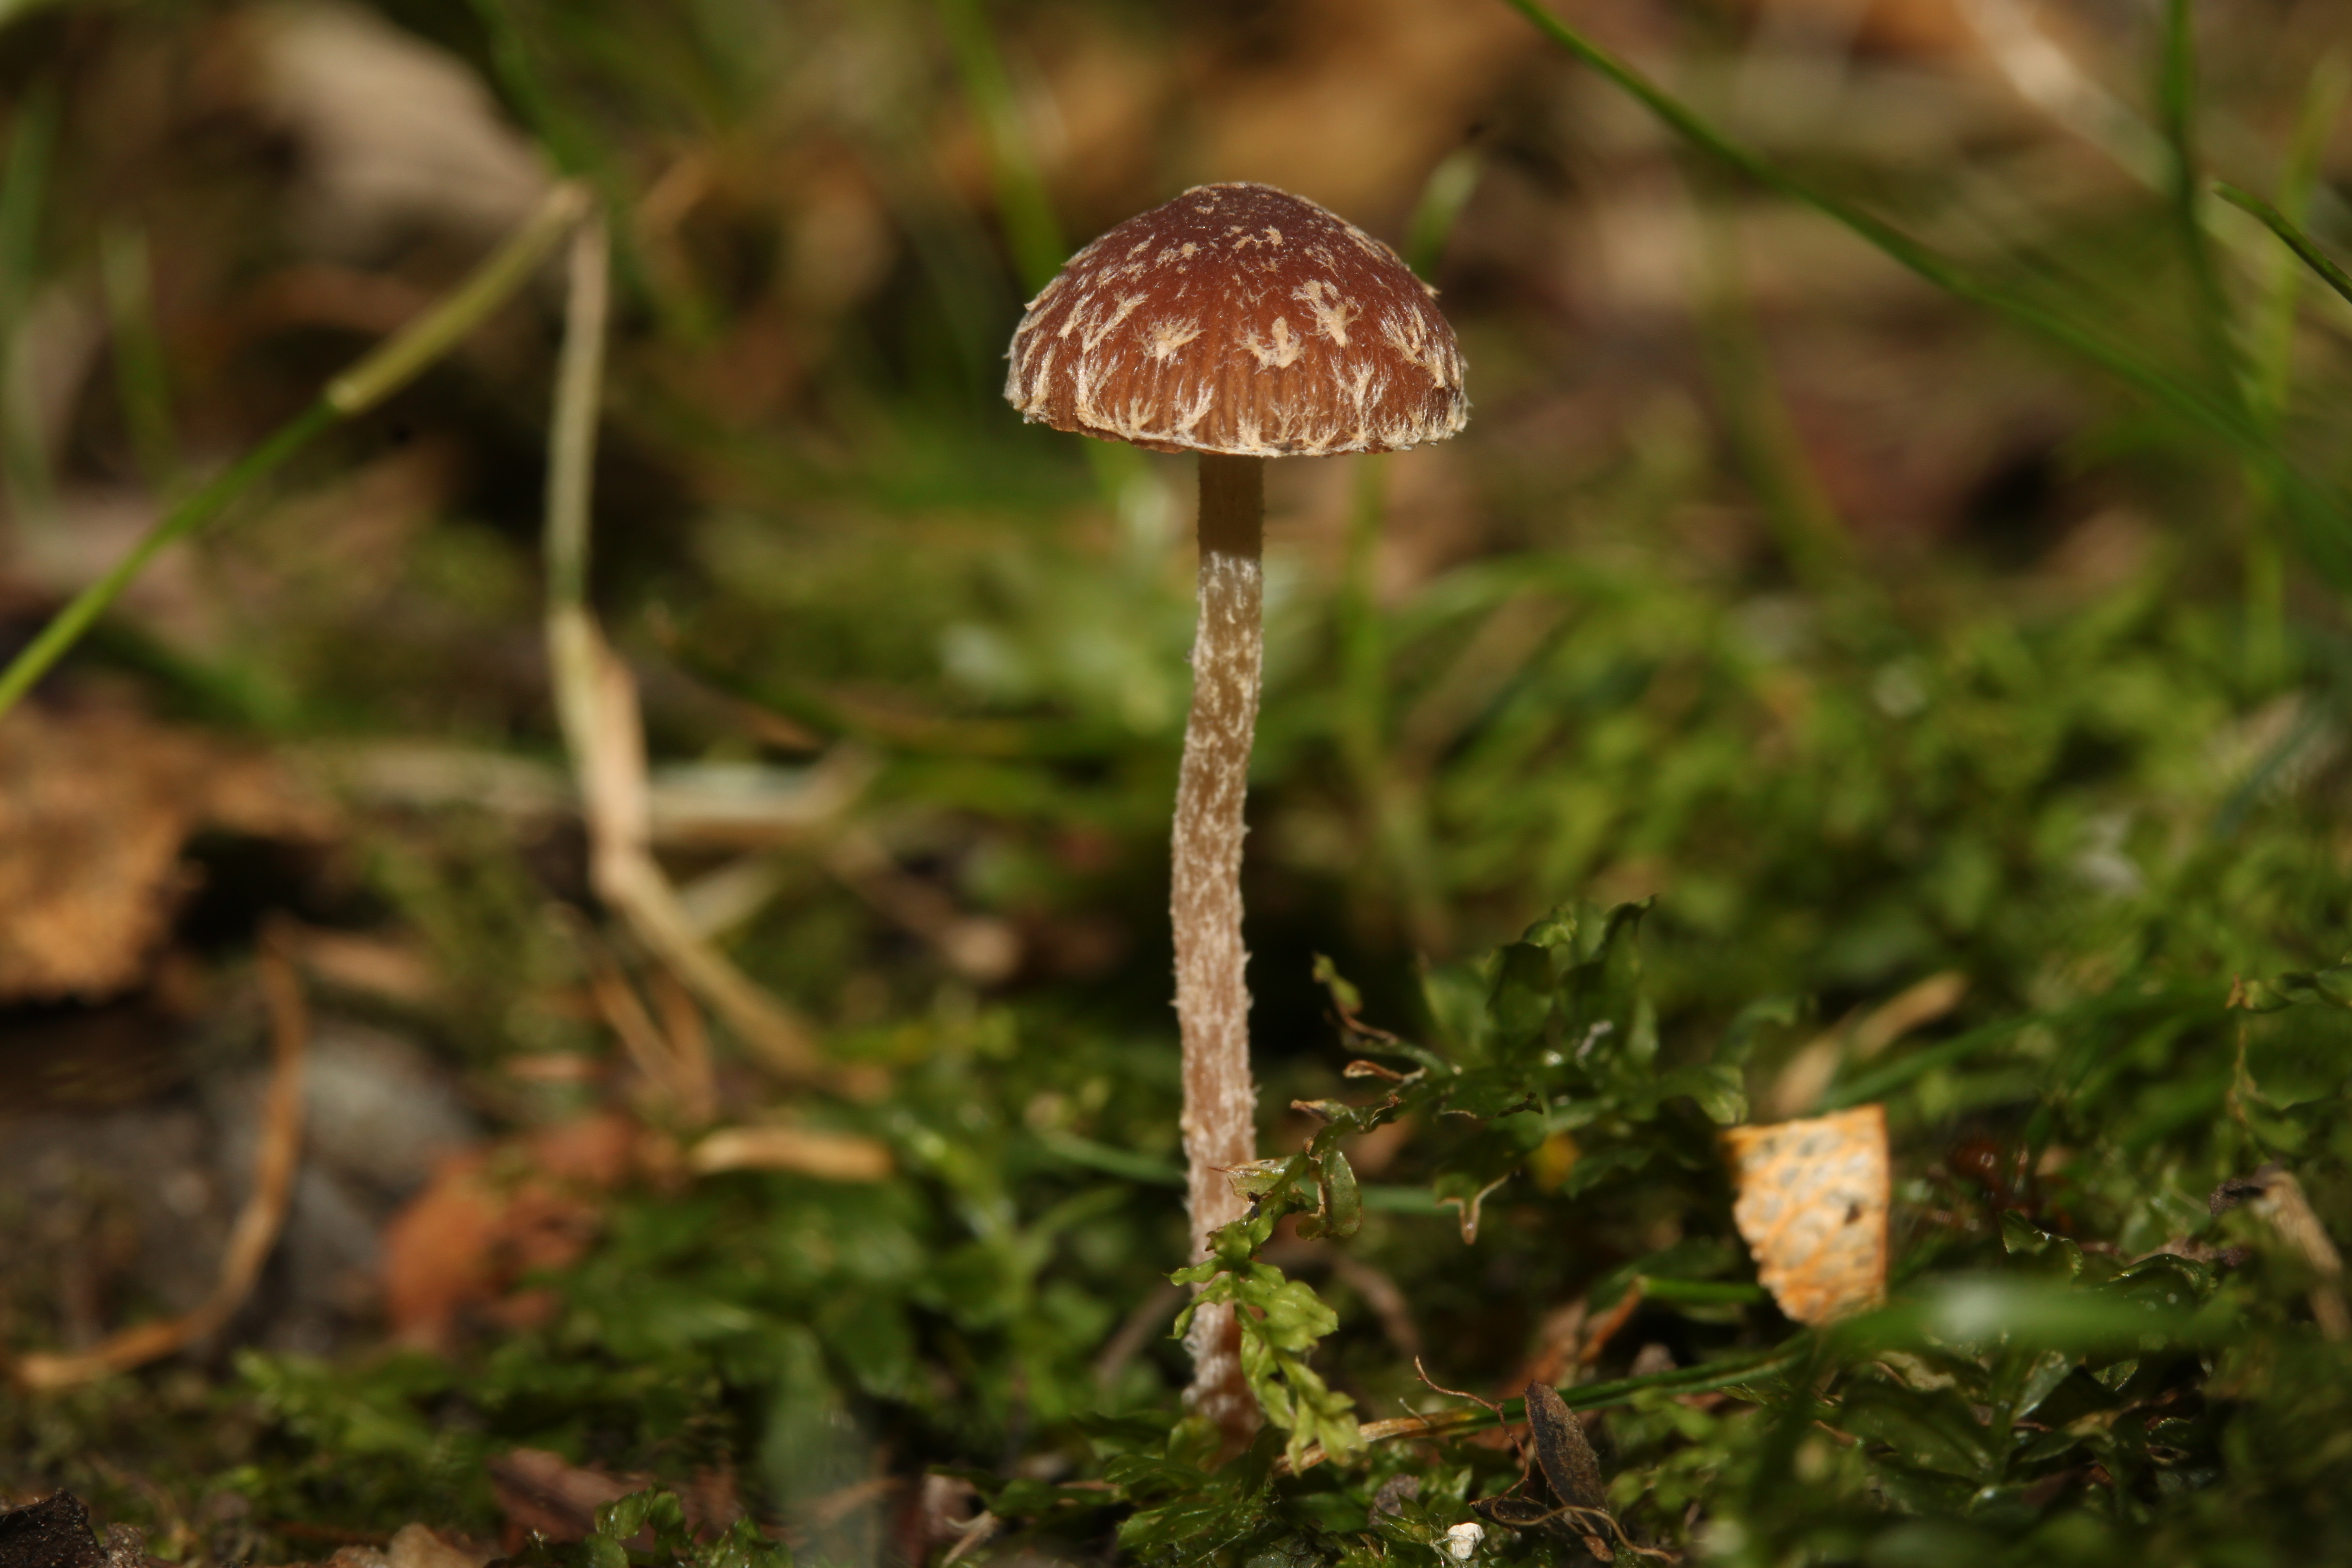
2325, 521
1030, 226
522, 64
2271, 372
66, 627
2299, 242
1443, 194
1362, 645
1899, 246
558, 130
2275, 328
1813, 539
2176, 100
142, 378
376, 377
448, 322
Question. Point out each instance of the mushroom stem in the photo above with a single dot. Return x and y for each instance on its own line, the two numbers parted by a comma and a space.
1212, 996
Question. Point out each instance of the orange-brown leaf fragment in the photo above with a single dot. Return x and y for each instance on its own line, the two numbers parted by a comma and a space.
491, 1215
1811, 1206
94, 808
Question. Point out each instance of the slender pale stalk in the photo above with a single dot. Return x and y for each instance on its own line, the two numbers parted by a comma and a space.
1211, 995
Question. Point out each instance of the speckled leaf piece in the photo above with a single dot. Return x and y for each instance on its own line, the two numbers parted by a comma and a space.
1811, 1206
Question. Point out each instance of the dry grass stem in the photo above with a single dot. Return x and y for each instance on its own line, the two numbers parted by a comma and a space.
689, 806
672, 1054
596, 700
256, 1231
833, 1156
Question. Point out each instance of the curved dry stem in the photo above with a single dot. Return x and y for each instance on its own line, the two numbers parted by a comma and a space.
596, 705
1211, 995
251, 1240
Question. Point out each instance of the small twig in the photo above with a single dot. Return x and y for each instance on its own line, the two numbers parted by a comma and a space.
1690, 1380
692, 1079
649, 1046
694, 806
1492, 1409
1584, 1517
255, 1233
579, 389
1381, 1431
617, 1002
1412, 1427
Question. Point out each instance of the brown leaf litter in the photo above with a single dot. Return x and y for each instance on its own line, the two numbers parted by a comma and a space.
533, 1201
95, 809
490, 1216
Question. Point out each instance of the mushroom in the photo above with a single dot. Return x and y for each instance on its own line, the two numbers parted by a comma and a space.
1241, 323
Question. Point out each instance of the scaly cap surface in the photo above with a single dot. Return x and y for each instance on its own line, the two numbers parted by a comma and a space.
1243, 320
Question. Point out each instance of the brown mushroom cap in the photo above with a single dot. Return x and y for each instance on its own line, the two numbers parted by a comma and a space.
1241, 319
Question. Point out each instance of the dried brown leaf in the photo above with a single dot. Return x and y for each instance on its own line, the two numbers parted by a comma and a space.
1812, 1206
94, 809
489, 1217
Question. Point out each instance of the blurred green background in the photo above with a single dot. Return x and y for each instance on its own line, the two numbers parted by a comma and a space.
1973, 716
